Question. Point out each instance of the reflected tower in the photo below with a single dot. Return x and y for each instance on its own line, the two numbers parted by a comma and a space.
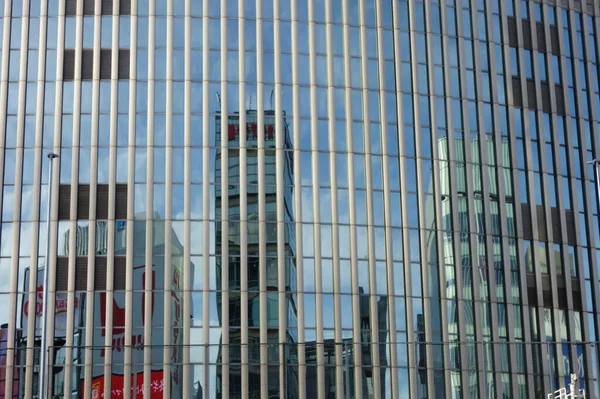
232, 213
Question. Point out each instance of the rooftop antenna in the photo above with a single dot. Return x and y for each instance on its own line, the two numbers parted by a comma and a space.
272, 91
219, 99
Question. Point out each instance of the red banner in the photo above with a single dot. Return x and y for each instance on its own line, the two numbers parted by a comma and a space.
157, 384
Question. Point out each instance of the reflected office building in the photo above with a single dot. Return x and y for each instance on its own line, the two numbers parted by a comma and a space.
300, 198
228, 202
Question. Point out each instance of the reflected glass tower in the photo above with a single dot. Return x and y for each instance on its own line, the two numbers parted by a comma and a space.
229, 165
300, 198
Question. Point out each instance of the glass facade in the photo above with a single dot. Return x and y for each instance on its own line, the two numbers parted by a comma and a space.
300, 198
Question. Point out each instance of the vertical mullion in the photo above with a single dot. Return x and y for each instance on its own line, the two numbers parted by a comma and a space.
337, 305
243, 199
280, 166
129, 254
356, 344
373, 312
36, 198
110, 224
149, 217
262, 230
425, 299
52, 242
224, 206
16, 225
187, 241
74, 191
205, 198
168, 348
298, 205
589, 197
320, 368
596, 146
391, 318
14, 273
410, 336
90, 351
435, 180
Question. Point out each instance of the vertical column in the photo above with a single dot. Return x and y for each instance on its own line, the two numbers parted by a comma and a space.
36, 200
224, 209
262, 228
298, 204
356, 333
314, 140
373, 311
10, 353
243, 198
205, 198
282, 261
129, 253
410, 335
335, 250
392, 386
149, 247
73, 201
92, 353
51, 262
19, 133
168, 232
187, 242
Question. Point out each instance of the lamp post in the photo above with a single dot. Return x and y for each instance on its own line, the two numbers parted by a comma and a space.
43, 372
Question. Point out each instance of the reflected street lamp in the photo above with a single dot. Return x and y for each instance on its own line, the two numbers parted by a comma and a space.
43, 372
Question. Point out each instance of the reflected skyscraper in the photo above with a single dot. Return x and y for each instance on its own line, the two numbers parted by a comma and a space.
252, 303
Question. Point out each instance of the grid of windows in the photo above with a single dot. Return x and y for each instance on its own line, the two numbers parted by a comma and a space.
301, 198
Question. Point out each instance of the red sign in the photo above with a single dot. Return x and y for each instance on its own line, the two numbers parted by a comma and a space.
251, 131
157, 386
118, 312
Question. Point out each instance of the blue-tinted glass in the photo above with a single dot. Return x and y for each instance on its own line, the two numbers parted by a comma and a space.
528, 64
514, 62
509, 8
524, 9
538, 12
542, 66
551, 15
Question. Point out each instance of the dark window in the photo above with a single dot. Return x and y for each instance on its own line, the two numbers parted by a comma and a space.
517, 96
87, 64
512, 32
106, 7
541, 37
83, 201
69, 64
105, 63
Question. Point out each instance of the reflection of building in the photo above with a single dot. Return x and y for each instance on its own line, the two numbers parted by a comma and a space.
117, 313
3, 356
252, 267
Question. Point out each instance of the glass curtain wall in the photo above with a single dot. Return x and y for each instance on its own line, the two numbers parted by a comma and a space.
300, 198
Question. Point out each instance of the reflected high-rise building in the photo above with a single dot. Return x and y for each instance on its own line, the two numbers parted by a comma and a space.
252, 302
